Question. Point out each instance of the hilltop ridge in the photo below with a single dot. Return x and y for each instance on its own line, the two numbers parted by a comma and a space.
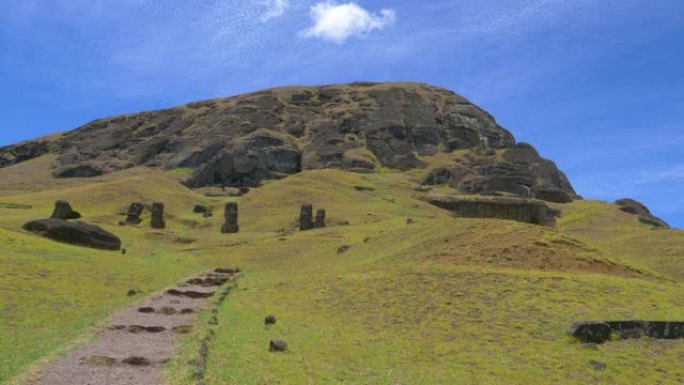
245, 139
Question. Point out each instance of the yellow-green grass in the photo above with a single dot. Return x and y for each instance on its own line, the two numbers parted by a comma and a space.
443, 300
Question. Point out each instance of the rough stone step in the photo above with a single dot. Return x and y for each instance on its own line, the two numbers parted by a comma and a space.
190, 293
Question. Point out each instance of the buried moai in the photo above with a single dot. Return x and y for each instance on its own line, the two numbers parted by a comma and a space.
158, 216
231, 216
306, 218
133, 213
64, 211
320, 219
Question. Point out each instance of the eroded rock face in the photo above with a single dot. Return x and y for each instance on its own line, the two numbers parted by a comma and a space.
74, 232
517, 170
631, 206
245, 139
517, 209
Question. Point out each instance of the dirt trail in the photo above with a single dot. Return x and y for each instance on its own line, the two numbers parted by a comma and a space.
138, 340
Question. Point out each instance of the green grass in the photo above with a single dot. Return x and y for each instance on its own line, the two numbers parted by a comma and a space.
442, 301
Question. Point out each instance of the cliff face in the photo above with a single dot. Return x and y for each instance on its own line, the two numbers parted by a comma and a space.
245, 139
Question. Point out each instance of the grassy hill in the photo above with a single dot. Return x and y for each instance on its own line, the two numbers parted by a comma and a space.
440, 301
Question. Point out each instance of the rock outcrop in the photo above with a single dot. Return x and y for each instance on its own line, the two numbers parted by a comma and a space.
242, 140
644, 215
517, 170
517, 209
75, 232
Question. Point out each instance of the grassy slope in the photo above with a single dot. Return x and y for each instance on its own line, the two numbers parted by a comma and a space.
443, 300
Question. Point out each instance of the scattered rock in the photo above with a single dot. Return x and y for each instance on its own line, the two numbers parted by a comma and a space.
133, 213
364, 188
146, 310
410, 221
64, 211
187, 310
136, 361
117, 327
277, 346
343, 249
319, 223
158, 216
199, 209
597, 365
227, 270
270, 320
631, 206
231, 219
75, 233
306, 217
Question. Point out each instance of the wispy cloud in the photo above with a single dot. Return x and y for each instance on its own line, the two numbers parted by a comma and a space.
338, 22
273, 9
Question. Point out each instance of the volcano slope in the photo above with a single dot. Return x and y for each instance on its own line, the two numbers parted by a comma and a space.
437, 299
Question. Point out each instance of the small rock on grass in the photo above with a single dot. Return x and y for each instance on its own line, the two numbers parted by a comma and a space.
598, 365
342, 249
277, 346
270, 320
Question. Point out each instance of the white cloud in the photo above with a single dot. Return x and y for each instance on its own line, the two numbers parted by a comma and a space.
337, 22
274, 9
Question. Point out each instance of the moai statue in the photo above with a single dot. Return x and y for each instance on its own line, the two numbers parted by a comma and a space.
63, 210
306, 218
133, 213
319, 223
231, 215
158, 216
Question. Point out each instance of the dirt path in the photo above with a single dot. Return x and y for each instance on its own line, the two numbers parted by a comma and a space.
139, 340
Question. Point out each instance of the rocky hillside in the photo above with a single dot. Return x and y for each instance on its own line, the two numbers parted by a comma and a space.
242, 140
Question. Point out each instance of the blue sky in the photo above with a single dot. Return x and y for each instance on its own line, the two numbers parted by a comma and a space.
596, 85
